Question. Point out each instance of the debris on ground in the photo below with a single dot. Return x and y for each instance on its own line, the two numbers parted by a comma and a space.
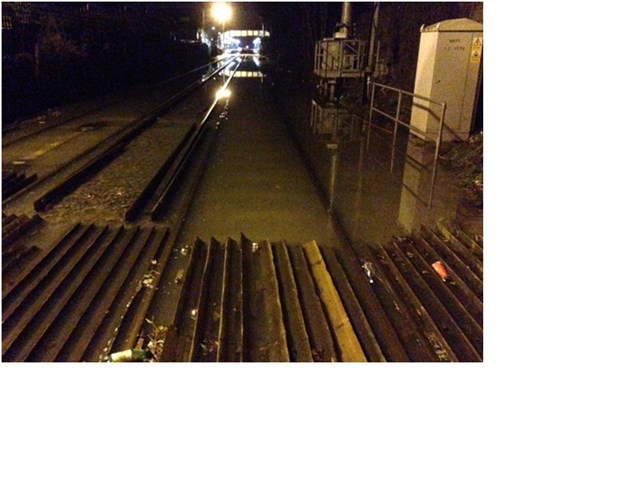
131, 355
366, 266
180, 277
156, 339
441, 270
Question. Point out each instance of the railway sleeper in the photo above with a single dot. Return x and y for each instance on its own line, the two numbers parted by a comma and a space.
232, 329
29, 302
344, 336
355, 312
298, 342
190, 303
455, 264
130, 316
457, 305
265, 338
242, 301
93, 329
443, 319
457, 247
317, 326
421, 317
70, 316
470, 244
457, 285
43, 314
418, 348
381, 325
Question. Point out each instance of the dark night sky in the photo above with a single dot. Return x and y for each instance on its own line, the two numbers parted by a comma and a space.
103, 45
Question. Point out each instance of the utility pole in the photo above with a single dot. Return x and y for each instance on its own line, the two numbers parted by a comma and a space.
345, 22
373, 32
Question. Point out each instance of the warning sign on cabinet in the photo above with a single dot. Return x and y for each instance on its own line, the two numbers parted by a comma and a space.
476, 50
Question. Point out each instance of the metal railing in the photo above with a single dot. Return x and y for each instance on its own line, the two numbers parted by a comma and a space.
397, 122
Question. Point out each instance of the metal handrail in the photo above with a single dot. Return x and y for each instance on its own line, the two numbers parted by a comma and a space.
411, 128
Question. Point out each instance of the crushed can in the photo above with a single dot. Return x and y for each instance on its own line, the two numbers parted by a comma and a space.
441, 270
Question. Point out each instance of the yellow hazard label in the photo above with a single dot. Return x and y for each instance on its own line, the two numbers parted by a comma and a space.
476, 55
476, 50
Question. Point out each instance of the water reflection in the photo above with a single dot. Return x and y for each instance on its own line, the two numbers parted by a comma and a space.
250, 67
375, 190
352, 187
419, 159
333, 123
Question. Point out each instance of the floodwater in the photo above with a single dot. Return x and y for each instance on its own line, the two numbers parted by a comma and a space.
255, 181
289, 168
376, 191
286, 168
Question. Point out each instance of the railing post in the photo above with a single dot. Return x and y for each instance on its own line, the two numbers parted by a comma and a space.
373, 94
395, 129
436, 155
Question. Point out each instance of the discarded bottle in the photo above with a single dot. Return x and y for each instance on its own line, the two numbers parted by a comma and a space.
441, 270
131, 355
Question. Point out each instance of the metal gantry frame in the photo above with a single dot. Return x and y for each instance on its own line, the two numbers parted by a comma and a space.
411, 129
339, 58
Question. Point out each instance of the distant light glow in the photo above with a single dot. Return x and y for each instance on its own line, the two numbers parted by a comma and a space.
223, 93
221, 12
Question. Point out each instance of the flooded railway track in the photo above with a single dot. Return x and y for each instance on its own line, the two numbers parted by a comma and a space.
158, 195
91, 292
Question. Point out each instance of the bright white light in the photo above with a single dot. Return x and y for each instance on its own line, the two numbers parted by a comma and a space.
221, 12
223, 93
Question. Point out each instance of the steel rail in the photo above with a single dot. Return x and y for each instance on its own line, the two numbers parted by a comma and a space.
99, 155
174, 173
101, 106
